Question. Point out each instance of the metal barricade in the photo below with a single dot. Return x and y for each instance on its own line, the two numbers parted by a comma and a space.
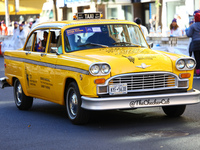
173, 41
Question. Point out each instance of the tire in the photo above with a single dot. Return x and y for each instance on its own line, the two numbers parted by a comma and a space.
76, 114
22, 101
174, 111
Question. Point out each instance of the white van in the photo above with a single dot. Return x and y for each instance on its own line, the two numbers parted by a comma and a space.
47, 13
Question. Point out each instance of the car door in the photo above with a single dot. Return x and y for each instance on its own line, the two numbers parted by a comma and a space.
48, 68
31, 60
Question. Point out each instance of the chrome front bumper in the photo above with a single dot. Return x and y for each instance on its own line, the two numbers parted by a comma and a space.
3, 82
128, 102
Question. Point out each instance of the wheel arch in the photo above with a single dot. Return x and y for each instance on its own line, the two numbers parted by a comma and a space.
13, 80
67, 82
22, 84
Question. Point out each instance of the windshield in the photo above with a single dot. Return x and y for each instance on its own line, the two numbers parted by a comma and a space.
95, 36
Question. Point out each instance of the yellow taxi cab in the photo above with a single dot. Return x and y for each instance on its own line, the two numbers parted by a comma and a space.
96, 64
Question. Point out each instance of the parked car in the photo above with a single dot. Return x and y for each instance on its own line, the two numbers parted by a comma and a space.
96, 64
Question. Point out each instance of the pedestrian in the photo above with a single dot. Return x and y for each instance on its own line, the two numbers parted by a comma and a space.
21, 38
15, 28
152, 24
190, 41
174, 28
15, 33
193, 32
4, 29
29, 27
143, 28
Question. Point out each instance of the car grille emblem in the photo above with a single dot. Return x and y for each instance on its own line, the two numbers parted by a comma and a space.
143, 66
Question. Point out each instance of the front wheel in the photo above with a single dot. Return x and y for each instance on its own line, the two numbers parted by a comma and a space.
174, 111
22, 101
76, 114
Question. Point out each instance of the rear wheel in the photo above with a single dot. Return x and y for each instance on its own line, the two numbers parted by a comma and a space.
22, 101
76, 114
174, 111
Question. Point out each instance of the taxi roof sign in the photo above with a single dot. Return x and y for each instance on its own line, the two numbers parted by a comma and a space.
89, 15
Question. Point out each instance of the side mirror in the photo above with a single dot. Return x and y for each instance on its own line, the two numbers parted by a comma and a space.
54, 50
150, 44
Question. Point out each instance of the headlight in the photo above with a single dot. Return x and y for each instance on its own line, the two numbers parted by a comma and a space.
190, 64
185, 63
180, 64
105, 69
94, 69
99, 69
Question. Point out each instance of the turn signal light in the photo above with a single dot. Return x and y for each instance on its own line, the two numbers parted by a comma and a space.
99, 81
185, 75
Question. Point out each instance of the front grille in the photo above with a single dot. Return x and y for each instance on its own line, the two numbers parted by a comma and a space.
147, 81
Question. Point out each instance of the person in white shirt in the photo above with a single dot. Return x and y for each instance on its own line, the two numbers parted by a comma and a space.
174, 28
15, 33
15, 30
143, 28
21, 38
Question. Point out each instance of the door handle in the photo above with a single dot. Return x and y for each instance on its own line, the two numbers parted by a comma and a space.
28, 53
43, 54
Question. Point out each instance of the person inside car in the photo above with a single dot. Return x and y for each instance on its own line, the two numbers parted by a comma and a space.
101, 38
42, 43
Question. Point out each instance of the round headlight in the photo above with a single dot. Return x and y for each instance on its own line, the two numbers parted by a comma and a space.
180, 64
190, 64
105, 69
94, 69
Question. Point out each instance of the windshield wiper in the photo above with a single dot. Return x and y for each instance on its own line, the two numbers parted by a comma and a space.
126, 44
93, 44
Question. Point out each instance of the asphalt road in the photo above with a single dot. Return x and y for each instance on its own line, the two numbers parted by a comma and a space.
46, 127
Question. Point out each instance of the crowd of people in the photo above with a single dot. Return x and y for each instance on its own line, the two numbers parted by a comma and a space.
19, 32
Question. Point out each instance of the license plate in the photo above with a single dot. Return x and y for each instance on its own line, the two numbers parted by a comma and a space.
118, 89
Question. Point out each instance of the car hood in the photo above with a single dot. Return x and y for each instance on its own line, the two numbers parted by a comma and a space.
127, 59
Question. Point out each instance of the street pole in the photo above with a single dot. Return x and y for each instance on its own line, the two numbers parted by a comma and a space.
55, 10
7, 18
158, 13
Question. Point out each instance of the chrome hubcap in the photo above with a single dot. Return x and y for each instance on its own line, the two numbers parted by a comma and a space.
19, 94
73, 104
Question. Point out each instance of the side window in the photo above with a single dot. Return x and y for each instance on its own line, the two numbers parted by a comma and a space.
55, 44
136, 36
67, 45
30, 42
40, 42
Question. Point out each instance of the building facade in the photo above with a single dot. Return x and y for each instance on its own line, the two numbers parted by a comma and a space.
120, 9
24, 10
182, 10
